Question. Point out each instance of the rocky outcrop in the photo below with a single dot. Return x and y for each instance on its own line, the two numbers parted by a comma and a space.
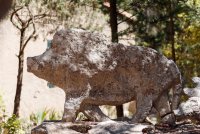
191, 107
111, 127
108, 127
193, 92
92, 72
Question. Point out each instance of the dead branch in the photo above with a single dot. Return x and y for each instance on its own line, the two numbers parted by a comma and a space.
31, 19
13, 14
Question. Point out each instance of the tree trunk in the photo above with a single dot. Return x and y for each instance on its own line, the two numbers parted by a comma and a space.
114, 34
113, 20
5, 6
172, 32
19, 85
19, 76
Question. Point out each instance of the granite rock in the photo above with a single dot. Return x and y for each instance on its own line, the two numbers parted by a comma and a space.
193, 92
191, 107
107, 127
93, 71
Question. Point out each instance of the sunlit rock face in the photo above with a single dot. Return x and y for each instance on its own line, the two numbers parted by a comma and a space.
191, 107
92, 71
193, 92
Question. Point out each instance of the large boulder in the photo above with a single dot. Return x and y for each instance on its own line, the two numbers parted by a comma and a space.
108, 127
93, 71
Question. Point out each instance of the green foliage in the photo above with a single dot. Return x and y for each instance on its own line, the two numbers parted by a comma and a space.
81, 117
22, 2
188, 42
2, 107
69, 14
152, 28
9, 125
12, 126
61, 8
46, 114
2, 111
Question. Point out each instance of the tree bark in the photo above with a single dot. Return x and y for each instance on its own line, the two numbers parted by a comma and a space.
19, 76
5, 6
113, 20
172, 31
24, 39
114, 35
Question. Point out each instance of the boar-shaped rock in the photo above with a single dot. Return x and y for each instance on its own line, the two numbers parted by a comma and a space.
93, 71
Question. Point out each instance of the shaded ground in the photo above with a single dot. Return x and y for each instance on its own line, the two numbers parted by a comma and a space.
86, 127
180, 128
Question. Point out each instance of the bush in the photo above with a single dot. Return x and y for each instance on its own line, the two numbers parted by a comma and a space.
9, 125
12, 126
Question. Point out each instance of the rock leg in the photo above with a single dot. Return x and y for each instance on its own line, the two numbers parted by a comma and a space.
177, 92
143, 107
94, 113
162, 105
72, 106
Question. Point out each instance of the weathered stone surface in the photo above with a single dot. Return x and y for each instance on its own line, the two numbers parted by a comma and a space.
191, 108
107, 127
110, 127
93, 72
58, 128
193, 92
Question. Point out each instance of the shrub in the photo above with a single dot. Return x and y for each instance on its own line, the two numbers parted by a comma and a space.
47, 114
9, 125
12, 125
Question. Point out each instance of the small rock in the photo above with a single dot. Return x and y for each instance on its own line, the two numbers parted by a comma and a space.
191, 108
193, 92
57, 128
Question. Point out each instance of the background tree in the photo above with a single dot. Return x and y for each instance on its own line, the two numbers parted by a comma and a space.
165, 26
23, 21
5, 5
187, 43
114, 38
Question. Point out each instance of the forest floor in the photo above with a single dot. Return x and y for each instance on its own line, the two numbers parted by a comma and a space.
87, 127
179, 128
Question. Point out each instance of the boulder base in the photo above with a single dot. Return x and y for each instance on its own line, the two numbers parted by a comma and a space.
108, 127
